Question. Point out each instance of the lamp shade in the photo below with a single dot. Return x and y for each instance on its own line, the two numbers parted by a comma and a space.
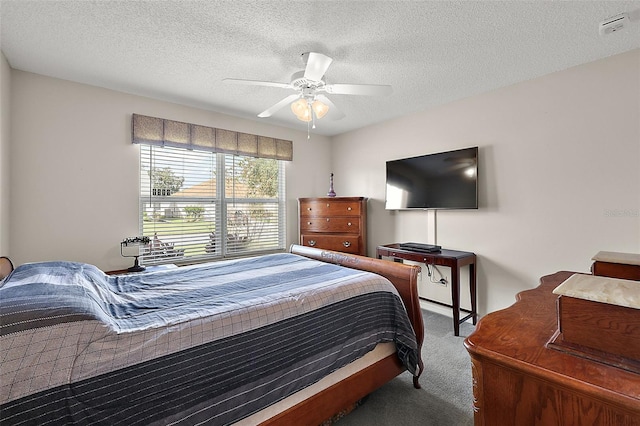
299, 107
306, 115
319, 109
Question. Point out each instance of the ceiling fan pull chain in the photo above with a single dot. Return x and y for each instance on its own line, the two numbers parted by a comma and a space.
313, 117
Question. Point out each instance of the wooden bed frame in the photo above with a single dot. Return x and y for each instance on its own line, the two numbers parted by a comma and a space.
342, 395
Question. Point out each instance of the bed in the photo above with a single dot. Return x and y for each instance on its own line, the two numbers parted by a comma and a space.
289, 338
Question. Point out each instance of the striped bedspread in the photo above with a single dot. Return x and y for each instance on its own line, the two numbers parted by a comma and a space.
214, 342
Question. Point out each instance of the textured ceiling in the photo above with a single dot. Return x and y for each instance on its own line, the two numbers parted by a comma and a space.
431, 52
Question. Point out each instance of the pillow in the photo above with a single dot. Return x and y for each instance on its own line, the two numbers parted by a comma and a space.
6, 267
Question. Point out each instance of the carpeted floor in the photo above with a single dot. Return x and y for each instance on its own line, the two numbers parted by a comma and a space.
446, 395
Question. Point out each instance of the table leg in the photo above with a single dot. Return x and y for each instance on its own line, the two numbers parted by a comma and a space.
472, 289
455, 296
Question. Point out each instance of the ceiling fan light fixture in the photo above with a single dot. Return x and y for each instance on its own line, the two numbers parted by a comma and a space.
306, 116
300, 108
320, 109
309, 101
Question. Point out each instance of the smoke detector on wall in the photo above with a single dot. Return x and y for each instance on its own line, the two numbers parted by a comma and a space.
614, 23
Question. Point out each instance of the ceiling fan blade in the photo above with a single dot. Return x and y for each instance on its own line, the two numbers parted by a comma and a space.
334, 112
258, 83
317, 65
273, 109
359, 89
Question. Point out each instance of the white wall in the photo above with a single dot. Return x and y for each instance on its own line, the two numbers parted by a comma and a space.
5, 136
74, 175
559, 172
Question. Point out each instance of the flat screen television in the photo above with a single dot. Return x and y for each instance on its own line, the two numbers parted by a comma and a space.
444, 180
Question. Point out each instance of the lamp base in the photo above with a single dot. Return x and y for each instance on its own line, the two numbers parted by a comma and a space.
136, 267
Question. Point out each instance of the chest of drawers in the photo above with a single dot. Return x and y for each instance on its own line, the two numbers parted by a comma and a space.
338, 223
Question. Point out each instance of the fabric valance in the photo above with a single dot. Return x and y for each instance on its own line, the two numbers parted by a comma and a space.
159, 131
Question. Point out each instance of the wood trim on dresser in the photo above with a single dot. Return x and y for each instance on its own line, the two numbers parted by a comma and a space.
519, 380
476, 382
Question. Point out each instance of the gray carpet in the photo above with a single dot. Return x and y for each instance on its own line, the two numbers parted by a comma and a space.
446, 394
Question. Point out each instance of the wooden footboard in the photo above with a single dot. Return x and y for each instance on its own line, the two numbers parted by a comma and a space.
345, 393
404, 278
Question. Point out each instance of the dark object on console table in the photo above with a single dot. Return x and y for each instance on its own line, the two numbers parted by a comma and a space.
334, 223
422, 248
518, 380
453, 259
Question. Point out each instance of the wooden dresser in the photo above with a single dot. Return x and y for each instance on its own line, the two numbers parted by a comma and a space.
518, 379
338, 223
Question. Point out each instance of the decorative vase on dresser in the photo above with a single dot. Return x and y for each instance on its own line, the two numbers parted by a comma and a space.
334, 223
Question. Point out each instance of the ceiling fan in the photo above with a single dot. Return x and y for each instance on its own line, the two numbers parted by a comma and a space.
309, 101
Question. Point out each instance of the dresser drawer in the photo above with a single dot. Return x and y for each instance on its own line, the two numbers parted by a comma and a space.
343, 243
341, 225
330, 208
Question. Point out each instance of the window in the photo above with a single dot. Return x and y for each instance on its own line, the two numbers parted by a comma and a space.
197, 205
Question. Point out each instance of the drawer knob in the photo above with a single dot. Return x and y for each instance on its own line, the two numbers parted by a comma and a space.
349, 208
308, 223
349, 224
327, 219
346, 244
312, 243
327, 204
309, 208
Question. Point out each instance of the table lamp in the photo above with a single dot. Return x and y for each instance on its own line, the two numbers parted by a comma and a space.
137, 242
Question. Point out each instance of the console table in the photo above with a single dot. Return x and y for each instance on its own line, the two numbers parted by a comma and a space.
519, 380
451, 258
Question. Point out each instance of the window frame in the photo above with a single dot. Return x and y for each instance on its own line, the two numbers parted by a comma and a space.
221, 248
